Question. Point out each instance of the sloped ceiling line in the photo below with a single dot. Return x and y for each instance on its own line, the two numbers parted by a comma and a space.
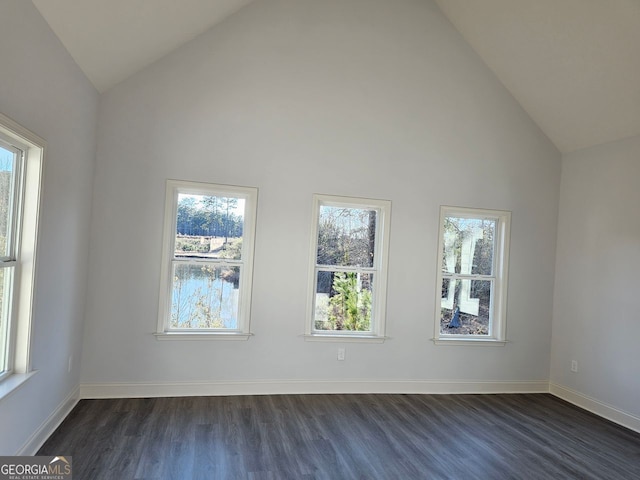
574, 65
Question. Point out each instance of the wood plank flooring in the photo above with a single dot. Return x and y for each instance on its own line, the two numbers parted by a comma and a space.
532, 436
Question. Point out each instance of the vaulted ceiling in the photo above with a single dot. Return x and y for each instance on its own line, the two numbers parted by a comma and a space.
112, 39
574, 65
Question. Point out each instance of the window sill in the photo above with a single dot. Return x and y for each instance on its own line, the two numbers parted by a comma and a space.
13, 382
325, 337
163, 336
483, 342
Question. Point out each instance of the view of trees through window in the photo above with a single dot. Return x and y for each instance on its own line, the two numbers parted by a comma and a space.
467, 275
344, 268
206, 265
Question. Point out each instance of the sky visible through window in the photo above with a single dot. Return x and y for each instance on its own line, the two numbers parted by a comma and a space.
6, 160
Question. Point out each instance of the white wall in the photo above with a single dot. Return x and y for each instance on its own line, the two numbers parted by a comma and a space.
372, 98
43, 89
597, 303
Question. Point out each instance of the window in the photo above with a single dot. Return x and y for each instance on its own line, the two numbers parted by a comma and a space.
207, 261
349, 268
11, 161
472, 275
21, 154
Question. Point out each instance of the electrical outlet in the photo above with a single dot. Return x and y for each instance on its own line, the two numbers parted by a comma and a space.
574, 366
69, 363
341, 354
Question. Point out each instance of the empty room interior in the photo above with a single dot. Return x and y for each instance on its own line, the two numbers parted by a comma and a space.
394, 210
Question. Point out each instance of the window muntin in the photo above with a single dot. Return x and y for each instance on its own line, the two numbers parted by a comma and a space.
350, 249
472, 279
209, 244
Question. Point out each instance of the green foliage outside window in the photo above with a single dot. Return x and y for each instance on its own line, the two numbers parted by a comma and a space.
350, 306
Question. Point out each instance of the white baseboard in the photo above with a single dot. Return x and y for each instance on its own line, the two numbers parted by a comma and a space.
596, 406
275, 387
53, 421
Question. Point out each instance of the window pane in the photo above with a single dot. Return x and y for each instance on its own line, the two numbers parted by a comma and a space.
7, 180
468, 246
343, 301
205, 296
209, 226
465, 307
6, 277
346, 236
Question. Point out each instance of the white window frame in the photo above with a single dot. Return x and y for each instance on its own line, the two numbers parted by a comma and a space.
250, 195
22, 258
379, 270
498, 309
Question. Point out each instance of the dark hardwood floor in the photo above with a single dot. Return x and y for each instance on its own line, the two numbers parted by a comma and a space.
533, 436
